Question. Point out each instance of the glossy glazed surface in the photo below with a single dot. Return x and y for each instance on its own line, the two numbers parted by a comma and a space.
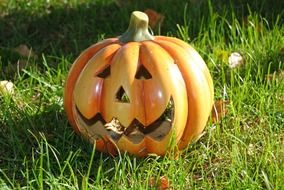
177, 72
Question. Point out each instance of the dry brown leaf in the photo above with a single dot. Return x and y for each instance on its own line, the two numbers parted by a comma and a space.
281, 138
155, 18
248, 22
21, 64
23, 54
122, 3
152, 182
161, 184
279, 75
13, 68
219, 110
164, 183
281, 51
24, 51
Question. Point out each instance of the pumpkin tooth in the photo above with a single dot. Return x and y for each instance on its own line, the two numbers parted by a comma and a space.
161, 131
94, 127
135, 136
125, 144
158, 147
136, 131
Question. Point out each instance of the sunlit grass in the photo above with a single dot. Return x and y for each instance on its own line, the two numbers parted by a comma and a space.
245, 150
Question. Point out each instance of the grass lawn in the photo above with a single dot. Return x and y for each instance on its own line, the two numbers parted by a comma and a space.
245, 150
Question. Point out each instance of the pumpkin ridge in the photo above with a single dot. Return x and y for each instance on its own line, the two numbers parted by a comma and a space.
88, 87
172, 81
198, 101
73, 75
201, 64
157, 90
143, 87
204, 68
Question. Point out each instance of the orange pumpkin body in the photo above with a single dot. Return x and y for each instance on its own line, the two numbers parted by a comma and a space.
152, 73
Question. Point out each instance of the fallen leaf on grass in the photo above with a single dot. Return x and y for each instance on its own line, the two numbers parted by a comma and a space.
161, 184
122, 3
24, 51
155, 18
12, 68
219, 110
16, 58
164, 183
279, 75
6, 87
281, 51
236, 60
250, 23
281, 138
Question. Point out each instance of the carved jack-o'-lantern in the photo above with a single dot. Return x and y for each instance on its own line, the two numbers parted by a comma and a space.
136, 92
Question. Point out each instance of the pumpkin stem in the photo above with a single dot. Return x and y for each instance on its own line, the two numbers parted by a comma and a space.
138, 29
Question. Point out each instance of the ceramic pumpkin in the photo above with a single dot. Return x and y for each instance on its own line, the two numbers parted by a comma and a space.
137, 92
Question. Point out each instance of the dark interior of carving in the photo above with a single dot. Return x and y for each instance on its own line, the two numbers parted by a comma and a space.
105, 73
121, 96
91, 121
142, 73
135, 124
136, 131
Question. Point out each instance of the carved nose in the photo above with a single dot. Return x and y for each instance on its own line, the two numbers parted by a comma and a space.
121, 96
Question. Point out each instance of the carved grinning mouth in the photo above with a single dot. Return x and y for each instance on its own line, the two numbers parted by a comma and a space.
97, 127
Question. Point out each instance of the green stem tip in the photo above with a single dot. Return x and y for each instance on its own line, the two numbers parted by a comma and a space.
138, 29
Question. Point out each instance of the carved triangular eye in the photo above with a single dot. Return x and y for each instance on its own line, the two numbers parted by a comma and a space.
104, 73
142, 73
121, 96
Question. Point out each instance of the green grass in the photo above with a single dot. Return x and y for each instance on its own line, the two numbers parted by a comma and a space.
39, 150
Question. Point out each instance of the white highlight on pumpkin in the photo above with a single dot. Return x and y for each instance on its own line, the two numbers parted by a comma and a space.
160, 94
